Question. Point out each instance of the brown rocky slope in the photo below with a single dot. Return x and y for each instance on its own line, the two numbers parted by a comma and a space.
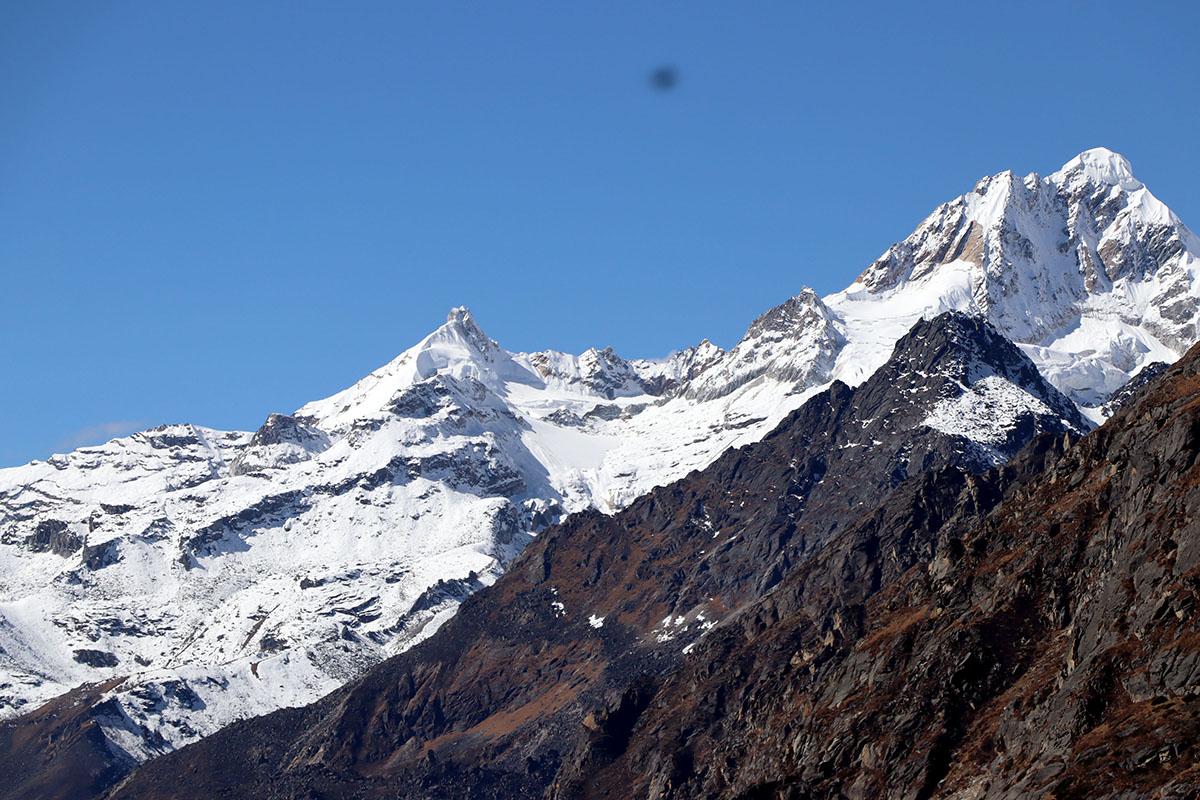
1051, 651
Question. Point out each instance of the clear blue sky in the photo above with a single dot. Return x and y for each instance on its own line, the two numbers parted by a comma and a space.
211, 213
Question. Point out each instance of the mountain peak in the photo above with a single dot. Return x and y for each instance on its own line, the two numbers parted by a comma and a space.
794, 342
796, 312
966, 379
1100, 165
1086, 269
460, 315
461, 321
461, 330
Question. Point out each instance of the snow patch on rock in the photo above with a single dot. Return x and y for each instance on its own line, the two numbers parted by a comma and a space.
983, 413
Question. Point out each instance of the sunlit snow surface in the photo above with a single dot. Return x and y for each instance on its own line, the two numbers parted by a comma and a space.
1090, 273
229, 574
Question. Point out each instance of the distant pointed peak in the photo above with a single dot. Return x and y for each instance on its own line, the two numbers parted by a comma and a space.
461, 326
461, 318
1100, 165
799, 311
461, 315
595, 360
704, 351
598, 353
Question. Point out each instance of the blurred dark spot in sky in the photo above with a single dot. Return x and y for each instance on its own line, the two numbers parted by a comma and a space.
664, 78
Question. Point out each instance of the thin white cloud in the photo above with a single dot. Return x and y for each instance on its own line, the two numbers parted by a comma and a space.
98, 434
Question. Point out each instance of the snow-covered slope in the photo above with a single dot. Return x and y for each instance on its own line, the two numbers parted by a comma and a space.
228, 574
1089, 272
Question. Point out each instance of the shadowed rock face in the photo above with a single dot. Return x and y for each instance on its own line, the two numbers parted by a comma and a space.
611, 634
1051, 650
59, 752
1129, 392
53, 536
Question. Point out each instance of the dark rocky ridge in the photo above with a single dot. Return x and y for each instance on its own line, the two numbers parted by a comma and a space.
1129, 392
59, 752
1051, 651
540, 683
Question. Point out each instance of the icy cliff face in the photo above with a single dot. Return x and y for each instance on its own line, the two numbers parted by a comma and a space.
226, 574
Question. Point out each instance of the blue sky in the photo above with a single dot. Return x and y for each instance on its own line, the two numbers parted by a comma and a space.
211, 213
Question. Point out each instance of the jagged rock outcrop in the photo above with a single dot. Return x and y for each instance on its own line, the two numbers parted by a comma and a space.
795, 342
677, 372
282, 440
1129, 392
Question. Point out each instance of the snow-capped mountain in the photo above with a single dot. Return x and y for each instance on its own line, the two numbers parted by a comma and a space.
226, 574
792, 344
1087, 270
231, 573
